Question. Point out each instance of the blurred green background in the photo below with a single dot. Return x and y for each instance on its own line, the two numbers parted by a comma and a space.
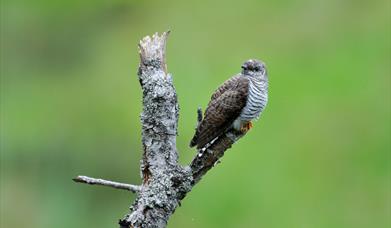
320, 156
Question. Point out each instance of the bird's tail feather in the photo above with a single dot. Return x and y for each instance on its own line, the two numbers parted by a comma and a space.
194, 140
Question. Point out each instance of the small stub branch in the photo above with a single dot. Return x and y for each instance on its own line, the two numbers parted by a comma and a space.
164, 181
113, 184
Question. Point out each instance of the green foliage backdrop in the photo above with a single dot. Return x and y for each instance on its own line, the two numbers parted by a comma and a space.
70, 103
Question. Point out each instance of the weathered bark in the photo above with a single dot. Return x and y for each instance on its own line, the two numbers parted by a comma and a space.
164, 182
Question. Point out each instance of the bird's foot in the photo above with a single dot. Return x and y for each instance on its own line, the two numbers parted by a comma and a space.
246, 127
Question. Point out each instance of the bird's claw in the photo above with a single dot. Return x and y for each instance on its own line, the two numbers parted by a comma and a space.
246, 127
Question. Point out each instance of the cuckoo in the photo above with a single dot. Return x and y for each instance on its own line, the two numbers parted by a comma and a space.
234, 104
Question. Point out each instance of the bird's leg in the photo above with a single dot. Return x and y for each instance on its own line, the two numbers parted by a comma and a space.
246, 127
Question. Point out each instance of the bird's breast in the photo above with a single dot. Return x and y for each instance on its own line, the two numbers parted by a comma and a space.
256, 99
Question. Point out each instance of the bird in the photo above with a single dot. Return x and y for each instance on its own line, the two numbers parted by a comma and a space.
238, 101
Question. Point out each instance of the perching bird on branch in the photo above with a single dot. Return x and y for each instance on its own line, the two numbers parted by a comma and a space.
234, 104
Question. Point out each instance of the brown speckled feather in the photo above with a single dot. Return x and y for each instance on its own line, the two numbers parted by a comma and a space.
225, 106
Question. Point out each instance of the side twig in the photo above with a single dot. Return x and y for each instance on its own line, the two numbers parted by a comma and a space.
113, 184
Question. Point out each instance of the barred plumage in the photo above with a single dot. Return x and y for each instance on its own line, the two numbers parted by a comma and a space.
234, 104
257, 99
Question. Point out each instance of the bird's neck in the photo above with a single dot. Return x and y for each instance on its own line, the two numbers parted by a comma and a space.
259, 83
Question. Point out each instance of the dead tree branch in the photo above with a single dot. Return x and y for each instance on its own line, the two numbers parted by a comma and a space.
113, 184
164, 182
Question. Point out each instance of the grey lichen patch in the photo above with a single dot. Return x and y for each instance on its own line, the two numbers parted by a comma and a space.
159, 199
159, 102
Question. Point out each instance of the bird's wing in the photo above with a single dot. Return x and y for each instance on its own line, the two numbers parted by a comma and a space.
222, 110
227, 85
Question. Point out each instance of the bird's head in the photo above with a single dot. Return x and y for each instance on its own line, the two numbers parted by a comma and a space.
254, 68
